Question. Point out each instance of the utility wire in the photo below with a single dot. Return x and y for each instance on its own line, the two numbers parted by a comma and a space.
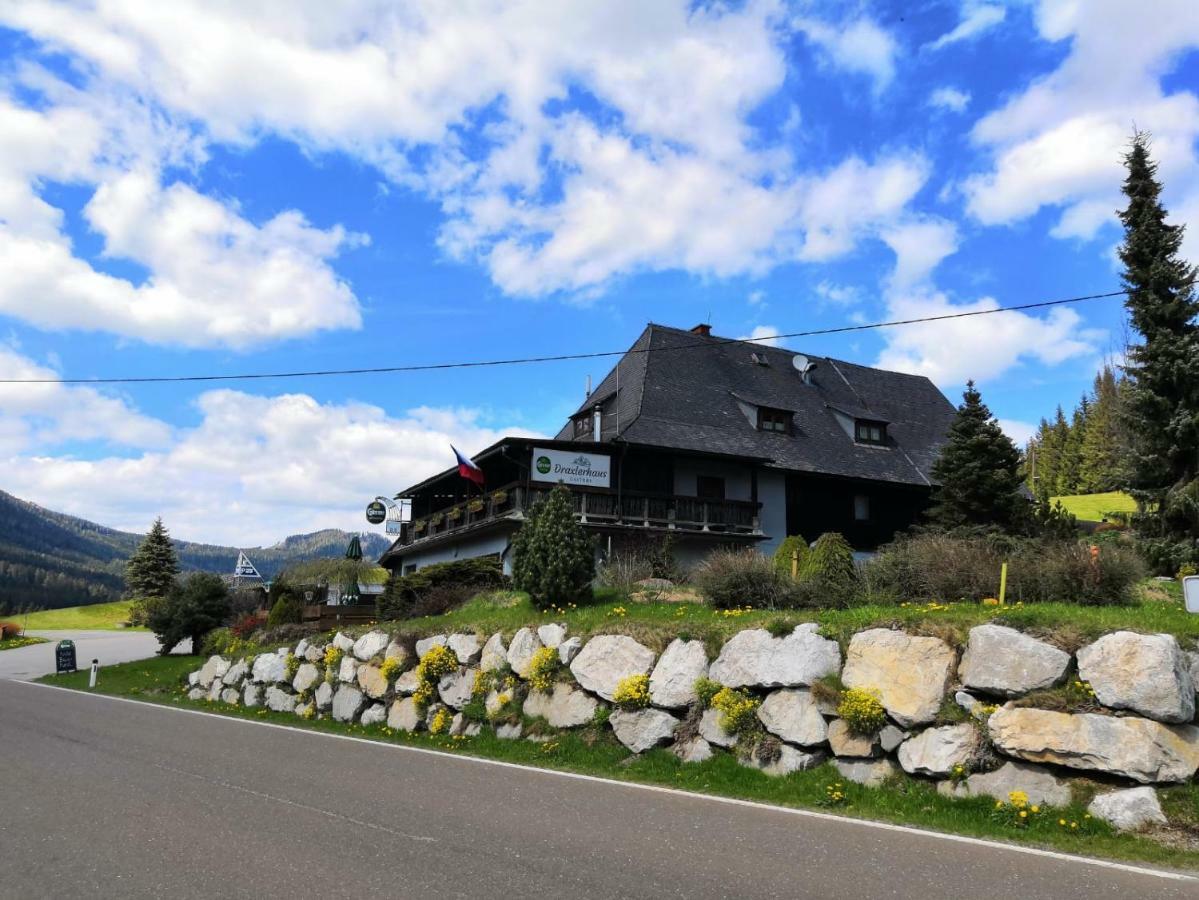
479, 364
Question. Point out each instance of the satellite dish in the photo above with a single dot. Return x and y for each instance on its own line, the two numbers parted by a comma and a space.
800, 362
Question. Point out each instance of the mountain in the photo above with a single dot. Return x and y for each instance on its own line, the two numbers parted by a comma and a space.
50, 560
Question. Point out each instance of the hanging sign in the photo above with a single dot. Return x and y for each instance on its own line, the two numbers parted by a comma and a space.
376, 512
584, 469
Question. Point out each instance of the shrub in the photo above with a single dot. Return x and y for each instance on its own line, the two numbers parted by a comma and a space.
632, 692
553, 557
292, 666
542, 668
192, 608
793, 545
391, 667
440, 723
438, 588
245, 625
437, 662
828, 572
706, 689
738, 710
731, 579
862, 711
287, 610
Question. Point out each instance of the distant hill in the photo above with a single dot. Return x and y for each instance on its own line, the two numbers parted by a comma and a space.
52, 560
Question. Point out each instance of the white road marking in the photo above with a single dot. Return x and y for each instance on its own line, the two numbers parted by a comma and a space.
690, 795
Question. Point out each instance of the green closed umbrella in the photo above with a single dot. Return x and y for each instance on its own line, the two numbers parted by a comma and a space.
354, 551
351, 594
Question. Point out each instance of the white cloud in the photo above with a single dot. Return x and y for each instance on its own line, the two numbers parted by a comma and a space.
256, 468
756, 298
919, 247
1020, 432
976, 19
766, 335
949, 98
837, 294
859, 46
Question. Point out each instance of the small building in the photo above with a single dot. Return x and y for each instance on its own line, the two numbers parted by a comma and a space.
712, 441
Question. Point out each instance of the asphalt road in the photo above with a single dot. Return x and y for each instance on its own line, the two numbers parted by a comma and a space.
104, 798
110, 647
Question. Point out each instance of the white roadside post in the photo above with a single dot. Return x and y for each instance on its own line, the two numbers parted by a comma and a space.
91, 681
1190, 593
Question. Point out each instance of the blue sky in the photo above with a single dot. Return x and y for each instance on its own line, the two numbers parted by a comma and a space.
204, 187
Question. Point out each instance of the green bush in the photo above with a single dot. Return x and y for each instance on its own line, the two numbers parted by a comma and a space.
828, 573
287, 608
553, 558
729, 579
438, 588
192, 609
791, 546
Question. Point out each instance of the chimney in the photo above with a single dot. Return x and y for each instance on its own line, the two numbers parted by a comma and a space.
597, 423
703, 330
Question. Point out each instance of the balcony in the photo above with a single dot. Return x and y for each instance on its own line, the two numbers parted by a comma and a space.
598, 508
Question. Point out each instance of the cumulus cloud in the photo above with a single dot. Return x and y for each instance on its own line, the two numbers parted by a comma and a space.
860, 46
976, 19
949, 98
1020, 432
766, 335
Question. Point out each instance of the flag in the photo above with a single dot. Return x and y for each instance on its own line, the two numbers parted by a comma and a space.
467, 469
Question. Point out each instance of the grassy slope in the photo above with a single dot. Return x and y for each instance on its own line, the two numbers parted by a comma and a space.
13, 643
1091, 507
97, 617
909, 801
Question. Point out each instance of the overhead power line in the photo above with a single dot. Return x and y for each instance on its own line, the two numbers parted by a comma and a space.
528, 360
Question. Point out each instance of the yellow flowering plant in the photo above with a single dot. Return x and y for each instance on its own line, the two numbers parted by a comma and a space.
738, 710
542, 669
392, 666
292, 666
1017, 812
862, 711
632, 692
440, 723
437, 662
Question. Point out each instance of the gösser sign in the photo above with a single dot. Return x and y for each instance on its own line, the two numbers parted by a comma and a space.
586, 469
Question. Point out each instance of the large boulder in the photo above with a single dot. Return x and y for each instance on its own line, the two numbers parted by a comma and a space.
891, 737
792, 715
197, 693
672, 684
404, 715
1004, 661
870, 772
520, 652
231, 696
569, 649
712, 731
843, 741
607, 659
370, 645
455, 688
1146, 673
424, 645
306, 676
372, 681
1129, 810
236, 674
314, 653
509, 731
910, 674
936, 751
754, 658
466, 647
374, 714
347, 702
280, 700
551, 635
324, 696
396, 650
642, 729
343, 642
251, 695
348, 671
494, 655
269, 668
785, 760
693, 750
1139, 749
564, 707
1040, 786
214, 692
215, 668
408, 682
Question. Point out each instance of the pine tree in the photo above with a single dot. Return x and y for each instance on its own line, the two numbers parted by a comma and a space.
553, 558
1163, 369
977, 472
1070, 476
191, 609
151, 570
1105, 445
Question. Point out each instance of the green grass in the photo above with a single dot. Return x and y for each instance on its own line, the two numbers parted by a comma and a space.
97, 617
12, 643
1093, 507
595, 752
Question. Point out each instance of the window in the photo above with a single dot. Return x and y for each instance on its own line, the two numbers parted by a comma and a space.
709, 487
861, 508
583, 425
774, 420
867, 432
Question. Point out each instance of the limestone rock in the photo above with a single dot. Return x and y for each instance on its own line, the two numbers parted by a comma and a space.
424, 645
348, 671
551, 635
569, 649
753, 658
565, 707
509, 731
520, 652
302, 648
607, 659
372, 681
370, 644
315, 653
965, 701
911, 674
198, 693
495, 654
193, 678
713, 732
216, 667
306, 676
1146, 673
1004, 661
460, 725
870, 772
891, 737
1193, 667
672, 684
214, 692
404, 715
789, 759
343, 642
432, 713
1139, 749
844, 742
236, 674
492, 704
408, 682
935, 751
466, 647
231, 696
396, 650
305, 710
374, 714
693, 750
455, 688
269, 668
251, 695
347, 702
1129, 810
642, 729
324, 696
280, 700
1041, 786
792, 715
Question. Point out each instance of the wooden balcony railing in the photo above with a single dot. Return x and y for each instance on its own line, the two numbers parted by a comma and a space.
597, 507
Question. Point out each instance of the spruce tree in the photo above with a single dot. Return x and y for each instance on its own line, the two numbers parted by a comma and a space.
151, 570
1105, 444
978, 472
191, 609
1163, 368
553, 557
1070, 477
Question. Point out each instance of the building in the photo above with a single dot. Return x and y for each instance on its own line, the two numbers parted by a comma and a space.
712, 441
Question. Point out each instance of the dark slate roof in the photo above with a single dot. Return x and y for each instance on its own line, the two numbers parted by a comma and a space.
689, 397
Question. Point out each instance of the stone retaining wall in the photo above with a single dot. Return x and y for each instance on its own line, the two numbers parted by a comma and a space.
1138, 731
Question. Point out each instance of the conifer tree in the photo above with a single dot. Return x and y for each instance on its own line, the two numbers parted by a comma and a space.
978, 472
1163, 404
553, 557
151, 570
1105, 444
1070, 475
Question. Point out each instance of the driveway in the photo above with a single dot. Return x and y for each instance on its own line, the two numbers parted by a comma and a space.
109, 647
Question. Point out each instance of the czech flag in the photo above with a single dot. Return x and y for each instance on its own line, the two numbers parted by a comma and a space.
467, 469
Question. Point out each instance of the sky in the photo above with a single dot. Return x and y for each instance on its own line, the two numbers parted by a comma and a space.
202, 187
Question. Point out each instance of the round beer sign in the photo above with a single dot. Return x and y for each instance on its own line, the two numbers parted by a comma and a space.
376, 512
543, 465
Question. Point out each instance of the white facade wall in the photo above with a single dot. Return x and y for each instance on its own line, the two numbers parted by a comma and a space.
484, 545
736, 476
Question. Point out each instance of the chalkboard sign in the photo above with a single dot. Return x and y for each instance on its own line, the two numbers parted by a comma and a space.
64, 656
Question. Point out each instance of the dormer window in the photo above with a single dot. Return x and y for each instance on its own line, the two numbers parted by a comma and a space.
869, 432
583, 426
774, 420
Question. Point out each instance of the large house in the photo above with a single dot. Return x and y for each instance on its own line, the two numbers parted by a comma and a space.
715, 442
